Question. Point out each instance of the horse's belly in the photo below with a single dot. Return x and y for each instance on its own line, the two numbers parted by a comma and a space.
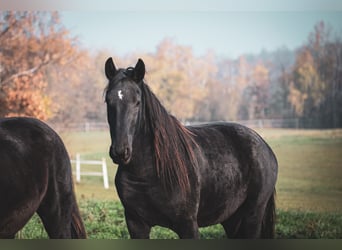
219, 201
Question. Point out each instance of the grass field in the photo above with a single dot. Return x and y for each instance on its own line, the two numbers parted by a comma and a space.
310, 169
105, 220
309, 187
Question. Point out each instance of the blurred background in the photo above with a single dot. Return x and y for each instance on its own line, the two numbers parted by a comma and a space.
273, 69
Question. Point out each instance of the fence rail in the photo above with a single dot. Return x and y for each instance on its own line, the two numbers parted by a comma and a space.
257, 123
264, 123
270, 123
81, 126
80, 162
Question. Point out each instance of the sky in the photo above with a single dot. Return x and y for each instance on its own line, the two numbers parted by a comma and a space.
226, 33
226, 27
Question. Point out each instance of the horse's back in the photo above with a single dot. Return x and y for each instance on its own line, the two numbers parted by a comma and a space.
222, 142
24, 143
23, 133
235, 164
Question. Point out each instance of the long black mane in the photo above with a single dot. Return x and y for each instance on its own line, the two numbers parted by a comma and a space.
173, 142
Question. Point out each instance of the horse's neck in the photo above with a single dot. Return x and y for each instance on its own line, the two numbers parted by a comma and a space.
142, 154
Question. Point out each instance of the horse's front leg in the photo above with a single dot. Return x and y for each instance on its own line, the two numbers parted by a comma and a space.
137, 228
187, 229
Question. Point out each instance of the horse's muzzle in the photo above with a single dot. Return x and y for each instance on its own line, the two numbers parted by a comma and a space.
121, 156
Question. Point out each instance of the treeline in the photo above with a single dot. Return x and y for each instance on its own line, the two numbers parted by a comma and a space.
45, 73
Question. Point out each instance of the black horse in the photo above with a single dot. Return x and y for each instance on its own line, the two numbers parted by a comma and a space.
182, 177
36, 177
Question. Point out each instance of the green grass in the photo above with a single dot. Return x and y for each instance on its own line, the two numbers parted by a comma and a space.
310, 172
105, 220
309, 187
308, 225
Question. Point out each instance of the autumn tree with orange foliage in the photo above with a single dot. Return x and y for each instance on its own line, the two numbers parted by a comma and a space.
30, 42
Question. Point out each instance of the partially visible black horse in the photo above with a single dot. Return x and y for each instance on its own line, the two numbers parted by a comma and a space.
36, 177
182, 177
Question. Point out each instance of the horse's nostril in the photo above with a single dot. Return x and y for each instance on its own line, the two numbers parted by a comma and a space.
122, 152
126, 154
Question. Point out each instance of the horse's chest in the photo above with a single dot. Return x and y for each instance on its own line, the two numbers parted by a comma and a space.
148, 200
130, 187
134, 190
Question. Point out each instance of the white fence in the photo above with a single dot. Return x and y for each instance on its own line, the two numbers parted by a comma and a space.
103, 173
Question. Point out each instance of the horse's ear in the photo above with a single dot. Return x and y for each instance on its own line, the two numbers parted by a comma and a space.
110, 69
139, 70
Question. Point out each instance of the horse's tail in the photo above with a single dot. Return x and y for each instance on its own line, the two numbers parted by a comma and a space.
268, 222
77, 227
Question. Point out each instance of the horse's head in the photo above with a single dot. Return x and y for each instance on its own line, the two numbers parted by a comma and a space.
123, 98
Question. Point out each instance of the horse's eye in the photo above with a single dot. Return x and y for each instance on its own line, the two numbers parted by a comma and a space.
137, 103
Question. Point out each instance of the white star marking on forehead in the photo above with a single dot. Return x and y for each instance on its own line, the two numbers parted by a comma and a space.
120, 95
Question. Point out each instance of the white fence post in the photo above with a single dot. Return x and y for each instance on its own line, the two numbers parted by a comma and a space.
78, 168
105, 175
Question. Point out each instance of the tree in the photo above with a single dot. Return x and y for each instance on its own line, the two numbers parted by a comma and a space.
255, 94
178, 77
30, 42
259, 92
315, 86
327, 57
307, 88
225, 90
279, 69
